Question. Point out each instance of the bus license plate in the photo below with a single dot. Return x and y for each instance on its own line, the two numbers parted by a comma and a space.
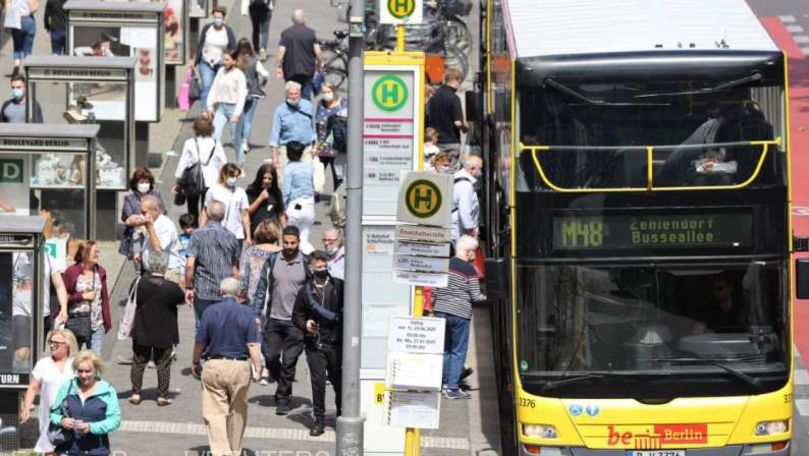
656, 453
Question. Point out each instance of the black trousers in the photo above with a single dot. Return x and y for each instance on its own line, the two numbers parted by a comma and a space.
194, 203
283, 344
325, 361
162, 360
260, 17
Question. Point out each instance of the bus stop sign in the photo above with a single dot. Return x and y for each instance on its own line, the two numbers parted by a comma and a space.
425, 199
400, 11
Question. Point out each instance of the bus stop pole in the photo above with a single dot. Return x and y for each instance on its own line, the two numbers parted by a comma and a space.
350, 439
413, 435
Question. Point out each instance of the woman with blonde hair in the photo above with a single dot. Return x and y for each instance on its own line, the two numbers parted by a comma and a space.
47, 377
92, 407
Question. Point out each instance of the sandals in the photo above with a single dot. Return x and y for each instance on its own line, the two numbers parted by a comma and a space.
135, 399
162, 401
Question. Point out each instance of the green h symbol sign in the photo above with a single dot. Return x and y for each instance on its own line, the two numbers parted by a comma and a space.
423, 195
389, 93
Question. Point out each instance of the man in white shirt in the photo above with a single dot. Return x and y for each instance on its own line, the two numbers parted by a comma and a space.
465, 206
161, 236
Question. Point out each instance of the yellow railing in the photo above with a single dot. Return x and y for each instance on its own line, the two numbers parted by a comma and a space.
650, 150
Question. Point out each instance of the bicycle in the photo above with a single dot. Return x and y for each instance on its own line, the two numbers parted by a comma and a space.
334, 55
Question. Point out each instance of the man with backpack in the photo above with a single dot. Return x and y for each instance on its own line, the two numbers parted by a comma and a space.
465, 206
282, 277
318, 311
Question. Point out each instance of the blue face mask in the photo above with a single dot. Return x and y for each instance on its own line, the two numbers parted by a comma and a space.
218, 21
17, 94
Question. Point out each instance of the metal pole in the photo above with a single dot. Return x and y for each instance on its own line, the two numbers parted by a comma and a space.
350, 423
413, 435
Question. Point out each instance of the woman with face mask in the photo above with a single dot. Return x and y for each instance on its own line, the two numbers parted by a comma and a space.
234, 198
214, 39
226, 102
141, 184
331, 152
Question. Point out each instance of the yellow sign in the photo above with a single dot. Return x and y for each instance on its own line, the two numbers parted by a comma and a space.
401, 8
423, 198
379, 392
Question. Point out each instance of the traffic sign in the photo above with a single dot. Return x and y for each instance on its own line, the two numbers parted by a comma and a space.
389, 93
425, 199
401, 11
425, 249
421, 264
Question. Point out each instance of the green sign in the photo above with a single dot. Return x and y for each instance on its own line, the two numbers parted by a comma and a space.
11, 171
423, 198
401, 8
389, 93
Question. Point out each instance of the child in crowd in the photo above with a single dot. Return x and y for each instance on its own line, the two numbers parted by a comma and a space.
430, 149
188, 223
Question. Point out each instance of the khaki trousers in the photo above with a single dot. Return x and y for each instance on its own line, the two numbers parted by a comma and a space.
224, 404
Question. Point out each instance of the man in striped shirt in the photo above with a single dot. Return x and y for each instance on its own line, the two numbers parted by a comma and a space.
454, 304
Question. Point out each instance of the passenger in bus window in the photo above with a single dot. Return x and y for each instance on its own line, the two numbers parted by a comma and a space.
725, 313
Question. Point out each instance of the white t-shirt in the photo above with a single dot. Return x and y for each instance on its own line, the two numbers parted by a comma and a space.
169, 243
216, 41
235, 201
48, 272
47, 374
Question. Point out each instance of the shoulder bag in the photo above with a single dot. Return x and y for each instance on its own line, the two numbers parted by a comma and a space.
192, 181
57, 435
128, 316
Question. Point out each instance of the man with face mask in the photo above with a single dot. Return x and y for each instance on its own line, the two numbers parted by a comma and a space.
282, 277
319, 311
465, 206
335, 253
13, 109
293, 120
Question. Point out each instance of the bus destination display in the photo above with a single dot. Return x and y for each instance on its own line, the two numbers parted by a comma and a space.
626, 232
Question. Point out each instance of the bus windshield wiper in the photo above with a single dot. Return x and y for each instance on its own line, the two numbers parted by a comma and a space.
755, 77
735, 373
570, 380
572, 93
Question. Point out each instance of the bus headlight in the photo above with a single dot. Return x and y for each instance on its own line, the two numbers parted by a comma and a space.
772, 427
543, 431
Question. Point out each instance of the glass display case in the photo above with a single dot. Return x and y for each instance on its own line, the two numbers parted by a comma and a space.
85, 91
175, 26
46, 166
136, 29
21, 330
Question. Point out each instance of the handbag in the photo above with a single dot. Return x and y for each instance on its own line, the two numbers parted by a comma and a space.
192, 181
80, 324
128, 316
12, 20
57, 435
179, 197
183, 98
194, 88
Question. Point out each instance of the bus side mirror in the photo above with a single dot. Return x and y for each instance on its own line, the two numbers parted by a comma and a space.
497, 283
801, 278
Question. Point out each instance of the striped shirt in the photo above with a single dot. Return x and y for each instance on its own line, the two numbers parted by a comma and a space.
215, 251
462, 290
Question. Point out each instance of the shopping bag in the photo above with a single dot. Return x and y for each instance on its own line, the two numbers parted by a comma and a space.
183, 98
128, 317
318, 175
480, 263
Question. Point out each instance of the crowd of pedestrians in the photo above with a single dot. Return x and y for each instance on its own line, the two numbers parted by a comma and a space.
243, 256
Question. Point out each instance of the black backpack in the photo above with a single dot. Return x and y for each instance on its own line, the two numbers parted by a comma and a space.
339, 133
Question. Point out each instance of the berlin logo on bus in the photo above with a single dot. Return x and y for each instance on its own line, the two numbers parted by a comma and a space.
662, 434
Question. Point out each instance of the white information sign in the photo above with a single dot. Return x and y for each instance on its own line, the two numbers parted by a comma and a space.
423, 279
425, 198
413, 410
416, 335
421, 264
425, 249
401, 11
423, 233
407, 371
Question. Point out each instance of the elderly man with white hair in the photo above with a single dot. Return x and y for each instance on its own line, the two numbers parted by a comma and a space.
161, 236
299, 54
293, 120
229, 341
465, 216
333, 246
454, 304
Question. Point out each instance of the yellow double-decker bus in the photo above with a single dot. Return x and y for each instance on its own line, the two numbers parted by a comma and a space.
637, 219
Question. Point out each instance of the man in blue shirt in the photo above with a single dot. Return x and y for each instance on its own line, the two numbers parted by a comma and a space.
227, 339
293, 120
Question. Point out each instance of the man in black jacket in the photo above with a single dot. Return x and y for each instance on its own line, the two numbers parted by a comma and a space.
319, 312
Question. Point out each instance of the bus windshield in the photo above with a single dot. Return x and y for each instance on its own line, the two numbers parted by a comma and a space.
597, 133
657, 331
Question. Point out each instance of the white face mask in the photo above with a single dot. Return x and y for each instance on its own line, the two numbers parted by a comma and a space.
231, 182
144, 187
328, 97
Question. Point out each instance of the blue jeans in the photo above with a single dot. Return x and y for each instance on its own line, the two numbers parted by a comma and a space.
207, 73
97, 341
24, 37
57, 42
221, 119
245, 125
456, 344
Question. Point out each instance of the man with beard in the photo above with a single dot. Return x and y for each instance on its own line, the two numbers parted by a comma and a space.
335, 253
282, 276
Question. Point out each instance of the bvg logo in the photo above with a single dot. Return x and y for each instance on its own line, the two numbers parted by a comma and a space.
423, 198
401, 8
662, 434
389, 93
